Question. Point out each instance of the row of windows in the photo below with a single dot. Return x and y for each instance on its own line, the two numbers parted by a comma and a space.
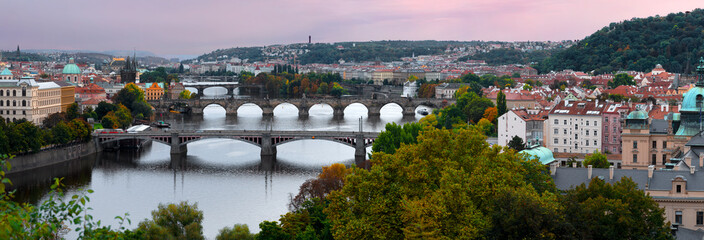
653, 159
699, 217
557, 122
655, 144
24, 103
49, 94
14, 112
14, 92
564, 131
564, 141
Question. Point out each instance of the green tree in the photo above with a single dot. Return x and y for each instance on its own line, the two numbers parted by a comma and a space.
618, 211
394, 135
174, 221
337, 90
501, 103
110, 121
143, 109
621, 79
237, 232
597, 160
185, 94
271, 231
61, 134
443, 187
104, 108
124, 116
516, 143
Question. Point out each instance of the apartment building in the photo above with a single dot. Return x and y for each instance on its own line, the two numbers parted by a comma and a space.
524, 123
575, 127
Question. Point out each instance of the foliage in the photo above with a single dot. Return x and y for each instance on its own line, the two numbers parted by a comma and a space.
185, 94
110, 121
72, 111
445, 186
618, 211
503, 56
271, 231
132, 97
427, 90
486, 126
385, 51
491, 114
237, 232
501, 103
516, 144
158, 75
174, 221
597, 160
123, 115
675, 41
332, 178
395, 135
621, 79
104, 108
289, 85
469, 107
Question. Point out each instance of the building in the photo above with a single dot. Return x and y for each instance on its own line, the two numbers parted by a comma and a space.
72, 73
410, 89
381, 75
611, 116
542, 154
447, 90
575, 127
154, 92
526, 124
515, 99
175, 90
27, 99
68, 94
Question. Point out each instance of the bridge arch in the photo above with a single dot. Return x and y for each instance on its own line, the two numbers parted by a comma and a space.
162, 140
349, 144
249, 140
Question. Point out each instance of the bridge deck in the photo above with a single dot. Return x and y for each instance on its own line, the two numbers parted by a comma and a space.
187, 133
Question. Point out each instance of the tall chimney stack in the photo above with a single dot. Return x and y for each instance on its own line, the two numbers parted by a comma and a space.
611, 172
589, 172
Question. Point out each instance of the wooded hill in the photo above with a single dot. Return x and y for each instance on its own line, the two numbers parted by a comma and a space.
676, 41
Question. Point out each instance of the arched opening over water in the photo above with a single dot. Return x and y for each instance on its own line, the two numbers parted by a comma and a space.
314, 153
356, 110
392, 109
214, 92
286, 110
214, 111
320, 110
222, 152
249, 110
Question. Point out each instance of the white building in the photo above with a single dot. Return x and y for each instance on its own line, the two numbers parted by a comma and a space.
526, 124
410, 89
575, 127
28, 99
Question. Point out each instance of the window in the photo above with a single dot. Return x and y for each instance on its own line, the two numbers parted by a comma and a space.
615, 131
564, 141
664, 144
555, 141
635, 158
595, 133
615, 150
595, 123
655, 144
575, 126
700, 218
575, 146
565, 121
24, 103
586, 142
587, 131
606, 119
613, 139
556, 121
24, 91
664, 159
654, 160
564, 131
678, 215
595, 143
14, 103
555, 130
1, 92
635, 145
554, 149
14, 92
575, 137
679, 188
587, 123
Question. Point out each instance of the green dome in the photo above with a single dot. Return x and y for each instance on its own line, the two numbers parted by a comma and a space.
5, 72
543, 154
71, 68
689, 102
640, 114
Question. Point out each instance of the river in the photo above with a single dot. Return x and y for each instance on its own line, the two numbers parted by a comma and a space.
222, 175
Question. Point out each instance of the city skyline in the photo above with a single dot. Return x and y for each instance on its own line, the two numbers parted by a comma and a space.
189, 27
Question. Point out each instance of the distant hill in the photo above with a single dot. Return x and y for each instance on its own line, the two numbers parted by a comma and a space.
676, 41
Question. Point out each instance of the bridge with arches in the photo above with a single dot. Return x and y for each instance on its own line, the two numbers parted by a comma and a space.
178, 140
231, 105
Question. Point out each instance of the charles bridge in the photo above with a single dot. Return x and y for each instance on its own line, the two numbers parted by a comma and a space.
178, 140
230, 104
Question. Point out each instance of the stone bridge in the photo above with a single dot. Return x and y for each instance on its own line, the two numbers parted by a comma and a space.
338, 105
266, 140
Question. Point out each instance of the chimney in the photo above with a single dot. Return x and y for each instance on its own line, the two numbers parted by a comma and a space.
596, 103
701, 160
667, 107
589, 172
574, 165
567, 102
611, 172
662, 108
651, 168
553, 168
692, 169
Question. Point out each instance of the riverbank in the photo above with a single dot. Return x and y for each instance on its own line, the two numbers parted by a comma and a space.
52, 156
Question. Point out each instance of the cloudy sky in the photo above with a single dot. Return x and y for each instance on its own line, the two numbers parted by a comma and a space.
197, 26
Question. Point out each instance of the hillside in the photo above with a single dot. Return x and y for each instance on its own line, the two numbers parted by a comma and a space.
676, 41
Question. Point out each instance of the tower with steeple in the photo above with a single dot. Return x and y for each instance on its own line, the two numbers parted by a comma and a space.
692, 106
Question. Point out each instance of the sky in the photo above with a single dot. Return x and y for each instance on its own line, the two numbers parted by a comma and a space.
183, 27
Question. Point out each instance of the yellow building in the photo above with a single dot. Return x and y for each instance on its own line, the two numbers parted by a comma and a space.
153, 92
68, 94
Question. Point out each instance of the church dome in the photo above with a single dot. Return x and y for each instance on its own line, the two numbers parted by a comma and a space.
689, 101
640, 114
542, 154
71, 68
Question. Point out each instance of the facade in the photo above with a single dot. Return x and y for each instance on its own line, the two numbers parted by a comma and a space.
153, 92
680, 192
28, 99
647, 142
446, 90
175, 90
575, 127
6, 74
380, 75
611, 116
410, 89
68, 94
526, 124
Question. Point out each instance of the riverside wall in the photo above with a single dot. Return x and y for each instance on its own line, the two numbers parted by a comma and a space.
53, 156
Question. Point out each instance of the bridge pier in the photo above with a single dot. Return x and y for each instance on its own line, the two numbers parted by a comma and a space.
409, 111
360, 152
338, 111
373, 111
268, 153
303, 111
200, 91
176, 146
267, 111
230, 91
